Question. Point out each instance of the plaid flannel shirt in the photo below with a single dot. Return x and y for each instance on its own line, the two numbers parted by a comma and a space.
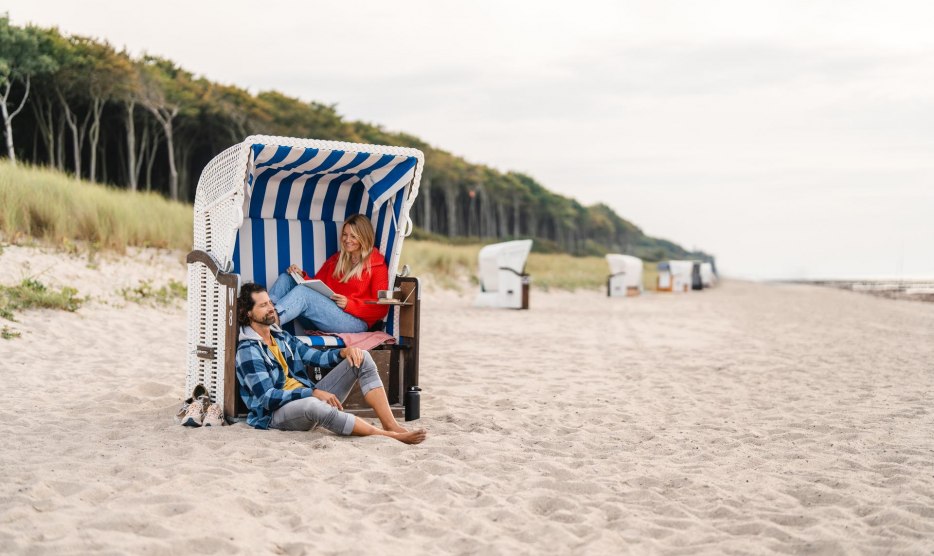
261, 378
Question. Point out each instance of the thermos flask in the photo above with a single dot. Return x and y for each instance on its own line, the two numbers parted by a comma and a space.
412, 401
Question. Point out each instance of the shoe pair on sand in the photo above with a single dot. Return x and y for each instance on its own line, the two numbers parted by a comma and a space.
199, 411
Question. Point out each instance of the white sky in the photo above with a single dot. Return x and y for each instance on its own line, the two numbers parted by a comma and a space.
792, 139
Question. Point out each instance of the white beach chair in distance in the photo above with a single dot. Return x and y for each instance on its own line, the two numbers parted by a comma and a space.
625, 279
503, 281
675, 276
269, 202
708, 278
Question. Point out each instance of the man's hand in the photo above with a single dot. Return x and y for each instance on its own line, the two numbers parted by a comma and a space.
327, 398
340, 300
354, 355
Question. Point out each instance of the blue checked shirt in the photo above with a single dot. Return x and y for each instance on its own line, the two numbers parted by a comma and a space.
261, 378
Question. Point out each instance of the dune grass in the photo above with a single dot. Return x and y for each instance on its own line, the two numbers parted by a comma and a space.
32, 294
52, 207
49, 206
146, 294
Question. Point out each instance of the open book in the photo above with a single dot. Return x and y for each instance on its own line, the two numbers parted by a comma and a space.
316, 285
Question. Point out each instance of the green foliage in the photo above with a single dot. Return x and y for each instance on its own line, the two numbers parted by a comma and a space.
22, 52
8, 333
146, 293
32, 294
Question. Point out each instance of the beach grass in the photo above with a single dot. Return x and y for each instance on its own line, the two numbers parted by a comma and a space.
32, 294
50, 206
145, 293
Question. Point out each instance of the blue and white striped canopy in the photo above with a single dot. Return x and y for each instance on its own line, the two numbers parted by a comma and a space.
297, 198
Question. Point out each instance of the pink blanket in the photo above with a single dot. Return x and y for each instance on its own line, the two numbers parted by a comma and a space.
363, 340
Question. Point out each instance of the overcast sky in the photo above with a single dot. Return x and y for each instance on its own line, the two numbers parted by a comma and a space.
792, 139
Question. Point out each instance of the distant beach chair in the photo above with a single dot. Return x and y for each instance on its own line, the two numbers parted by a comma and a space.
269, 202
697, 282
625, 279
503, 281
675, 276
708, 277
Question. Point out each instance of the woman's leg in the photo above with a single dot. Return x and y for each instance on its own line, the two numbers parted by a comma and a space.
323, 313
283, 285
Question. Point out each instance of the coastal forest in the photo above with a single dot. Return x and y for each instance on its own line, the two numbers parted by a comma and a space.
143, 123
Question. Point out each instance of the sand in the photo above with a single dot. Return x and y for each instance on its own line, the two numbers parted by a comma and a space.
748, 419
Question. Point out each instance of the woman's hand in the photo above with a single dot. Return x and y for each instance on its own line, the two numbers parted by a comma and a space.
294, 268
354, 355
340, 300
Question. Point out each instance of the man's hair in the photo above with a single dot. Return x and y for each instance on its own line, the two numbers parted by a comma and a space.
245, 302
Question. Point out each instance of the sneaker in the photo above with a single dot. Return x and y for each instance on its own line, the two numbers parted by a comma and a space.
213, 416
194, 413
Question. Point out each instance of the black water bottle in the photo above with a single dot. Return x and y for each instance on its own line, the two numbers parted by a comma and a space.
412, 401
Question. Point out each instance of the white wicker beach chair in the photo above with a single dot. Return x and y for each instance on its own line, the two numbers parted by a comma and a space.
503, 281
269, 202
625, 279
675, 276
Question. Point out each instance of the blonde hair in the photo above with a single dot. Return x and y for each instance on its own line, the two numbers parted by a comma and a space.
345, 269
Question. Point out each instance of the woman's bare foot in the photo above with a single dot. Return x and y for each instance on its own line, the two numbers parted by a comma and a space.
409, 437
395, 427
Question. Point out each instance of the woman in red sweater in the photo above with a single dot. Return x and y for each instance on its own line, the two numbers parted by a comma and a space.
355, 273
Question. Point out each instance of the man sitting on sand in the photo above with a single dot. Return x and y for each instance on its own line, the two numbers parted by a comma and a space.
275, 385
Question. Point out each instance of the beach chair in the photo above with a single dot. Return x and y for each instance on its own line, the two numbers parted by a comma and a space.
675, 276
503, 281
708, 278
269, 202
625, 279
697, 282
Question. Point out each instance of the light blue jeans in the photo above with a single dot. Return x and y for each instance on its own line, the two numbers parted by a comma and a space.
314, 311
310, 413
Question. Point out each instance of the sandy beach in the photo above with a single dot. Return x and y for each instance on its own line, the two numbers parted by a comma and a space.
751, 418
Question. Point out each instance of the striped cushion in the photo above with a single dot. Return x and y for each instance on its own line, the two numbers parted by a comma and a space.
321, 341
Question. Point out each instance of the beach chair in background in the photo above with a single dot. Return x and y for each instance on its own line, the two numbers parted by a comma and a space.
625, 279
675, 276
708, 278
503, 281
269, 202
697, 283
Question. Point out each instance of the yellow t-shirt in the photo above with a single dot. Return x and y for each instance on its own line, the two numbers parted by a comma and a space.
290, 382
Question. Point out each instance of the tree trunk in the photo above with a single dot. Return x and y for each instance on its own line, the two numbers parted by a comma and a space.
8, 116
60, 145
184, 179
132, 170
165, 115
72, 122
94, 133
42, 108
173, 171
153, 149
104, 160
450, 197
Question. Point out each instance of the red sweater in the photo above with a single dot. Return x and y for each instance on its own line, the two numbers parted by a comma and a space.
358, 290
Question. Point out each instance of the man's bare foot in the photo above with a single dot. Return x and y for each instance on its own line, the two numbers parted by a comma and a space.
410, 437
395, 427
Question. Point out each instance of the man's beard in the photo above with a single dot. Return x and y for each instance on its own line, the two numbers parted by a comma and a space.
268, 320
